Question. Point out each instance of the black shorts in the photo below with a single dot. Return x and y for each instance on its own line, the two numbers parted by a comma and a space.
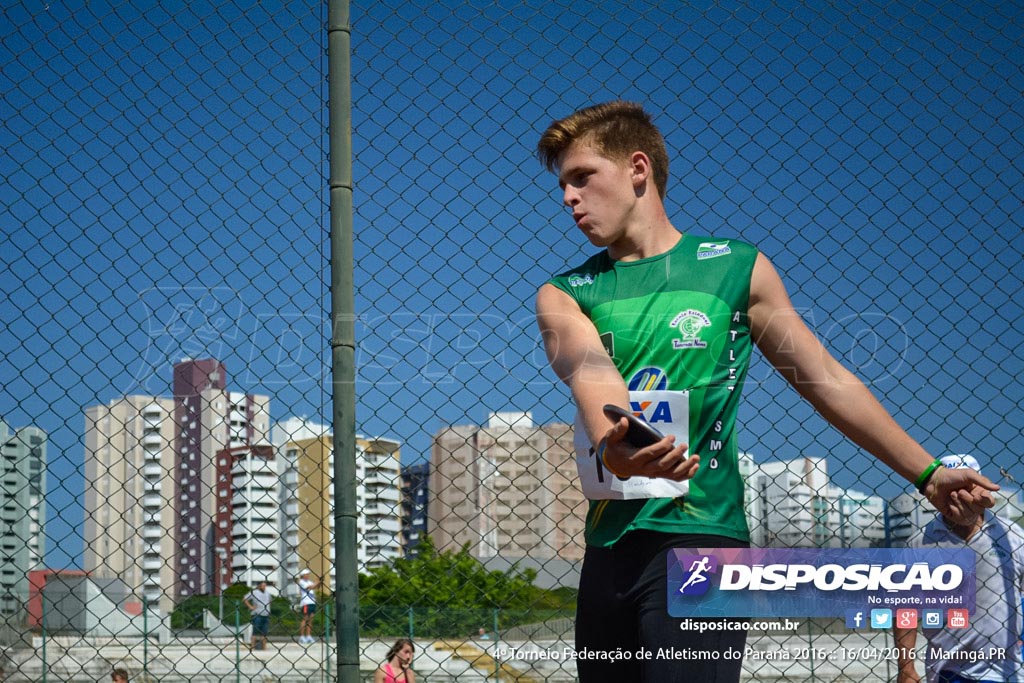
623, 607
308, 610
260, 625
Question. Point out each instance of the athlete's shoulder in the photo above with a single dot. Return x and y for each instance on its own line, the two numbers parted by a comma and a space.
582, 275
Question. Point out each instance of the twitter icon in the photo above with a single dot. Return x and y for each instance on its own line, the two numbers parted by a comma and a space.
881, 618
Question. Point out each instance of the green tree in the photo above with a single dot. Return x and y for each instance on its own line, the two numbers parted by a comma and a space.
451, 594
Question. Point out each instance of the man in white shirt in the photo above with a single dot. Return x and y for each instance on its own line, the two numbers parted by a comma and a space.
258, 602
987, 650
307, 605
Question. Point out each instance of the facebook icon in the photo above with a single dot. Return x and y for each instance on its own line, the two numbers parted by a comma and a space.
854, 618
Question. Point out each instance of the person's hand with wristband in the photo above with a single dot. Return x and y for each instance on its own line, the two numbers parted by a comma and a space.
959, 494
663, 459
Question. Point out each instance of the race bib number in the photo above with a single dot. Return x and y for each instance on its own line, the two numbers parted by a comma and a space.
669, 412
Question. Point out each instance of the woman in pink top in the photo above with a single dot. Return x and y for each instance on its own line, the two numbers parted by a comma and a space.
395, 668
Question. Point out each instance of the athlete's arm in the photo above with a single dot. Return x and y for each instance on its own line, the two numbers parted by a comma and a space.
906, 640
576, 355
845, 402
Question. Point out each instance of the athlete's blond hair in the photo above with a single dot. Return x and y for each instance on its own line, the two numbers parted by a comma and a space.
614, 130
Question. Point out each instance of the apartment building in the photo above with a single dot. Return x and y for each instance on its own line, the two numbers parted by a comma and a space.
208, 419
307, 501
792, 503
22, 513
246, 531
506, 489
129, 495
415, 502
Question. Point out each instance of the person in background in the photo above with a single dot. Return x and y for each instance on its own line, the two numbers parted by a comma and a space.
988, 649
307, 605
395, 668
119, 676
258, 602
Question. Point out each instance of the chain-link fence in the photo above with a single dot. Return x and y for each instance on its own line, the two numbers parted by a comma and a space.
165, 407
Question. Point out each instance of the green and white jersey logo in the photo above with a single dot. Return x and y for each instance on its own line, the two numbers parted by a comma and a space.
690, 323
580, 280
708, 250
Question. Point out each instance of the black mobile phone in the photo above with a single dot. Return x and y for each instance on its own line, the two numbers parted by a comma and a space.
640, 433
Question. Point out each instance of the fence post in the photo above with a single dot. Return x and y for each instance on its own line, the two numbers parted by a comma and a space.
42, 625
238, 645
145, 639
325, 648
494, 630
343, 343
810, 647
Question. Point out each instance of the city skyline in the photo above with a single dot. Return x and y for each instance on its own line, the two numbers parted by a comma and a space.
789, 503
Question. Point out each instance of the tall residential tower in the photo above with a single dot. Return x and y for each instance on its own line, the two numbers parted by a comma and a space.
23, 512
208, 419
129, 495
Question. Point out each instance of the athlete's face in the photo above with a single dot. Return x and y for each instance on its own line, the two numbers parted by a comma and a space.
600, 192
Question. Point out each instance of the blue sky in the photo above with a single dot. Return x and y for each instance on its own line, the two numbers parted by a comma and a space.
164, 195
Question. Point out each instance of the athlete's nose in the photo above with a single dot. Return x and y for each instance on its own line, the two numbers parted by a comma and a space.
570, 196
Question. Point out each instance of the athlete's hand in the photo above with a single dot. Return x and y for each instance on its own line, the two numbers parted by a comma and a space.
663, 460
961, 494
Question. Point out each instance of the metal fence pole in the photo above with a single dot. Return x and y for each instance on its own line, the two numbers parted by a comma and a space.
145, 638
238, 645
343, 338
810, 647
42, 626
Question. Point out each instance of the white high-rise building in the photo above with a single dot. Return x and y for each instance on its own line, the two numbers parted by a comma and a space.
22, 513
379, 500
129, 495
247, 532
792, 504
789, 503
857, 518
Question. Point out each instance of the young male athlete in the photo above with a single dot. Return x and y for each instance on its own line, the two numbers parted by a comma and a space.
663, 323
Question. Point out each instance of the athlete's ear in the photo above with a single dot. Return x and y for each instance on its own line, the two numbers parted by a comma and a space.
640, 168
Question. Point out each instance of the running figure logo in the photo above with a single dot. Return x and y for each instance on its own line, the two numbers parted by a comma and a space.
698, 567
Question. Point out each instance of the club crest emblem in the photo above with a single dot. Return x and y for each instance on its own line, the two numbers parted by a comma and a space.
690, 323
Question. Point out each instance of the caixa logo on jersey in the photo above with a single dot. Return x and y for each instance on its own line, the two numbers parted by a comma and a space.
813, 582
647, 380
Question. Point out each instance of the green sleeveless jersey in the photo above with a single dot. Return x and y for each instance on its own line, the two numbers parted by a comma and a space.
676, 322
